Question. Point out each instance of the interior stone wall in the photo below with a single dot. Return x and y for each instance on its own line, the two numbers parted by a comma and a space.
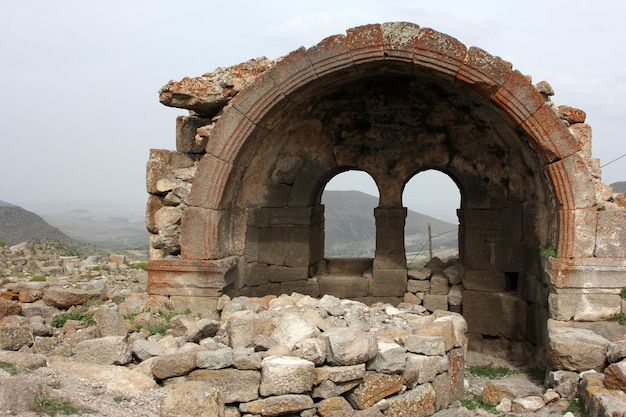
236, 208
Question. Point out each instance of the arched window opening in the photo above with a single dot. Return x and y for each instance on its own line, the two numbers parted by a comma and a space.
349, 200
432, 199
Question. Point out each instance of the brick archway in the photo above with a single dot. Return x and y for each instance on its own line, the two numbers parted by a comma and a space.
390, 99
401, 47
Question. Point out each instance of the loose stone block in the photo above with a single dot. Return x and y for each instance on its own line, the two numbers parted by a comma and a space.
349, 346
455, 296
292, 329
334, 404
173, 365
434, 302
615, 376
416, 286
441, 328
420, 274
235, 385
215, 359
576, 349
374, 388
391, 358
328, 389
340, 373
425, 344
439, 285
418, 402
109, 350
277, 405
421, 369
282, 375
186, 130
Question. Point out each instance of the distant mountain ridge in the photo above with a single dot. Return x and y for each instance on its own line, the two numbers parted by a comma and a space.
18, 225
619, 187
350, 229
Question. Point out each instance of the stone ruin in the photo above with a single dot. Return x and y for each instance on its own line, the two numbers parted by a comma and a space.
236, 209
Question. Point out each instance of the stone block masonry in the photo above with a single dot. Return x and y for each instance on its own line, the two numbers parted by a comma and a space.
298, 354
263, 138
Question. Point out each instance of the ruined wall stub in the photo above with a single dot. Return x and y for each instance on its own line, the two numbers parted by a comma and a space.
236, 209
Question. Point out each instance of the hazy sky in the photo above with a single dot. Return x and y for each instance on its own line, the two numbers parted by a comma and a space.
80, 109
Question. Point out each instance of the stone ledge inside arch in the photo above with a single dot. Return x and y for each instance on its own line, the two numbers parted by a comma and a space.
183, 277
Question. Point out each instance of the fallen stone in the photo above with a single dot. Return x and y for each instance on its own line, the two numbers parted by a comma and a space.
235, 386
23, 359
328, 389
201, 329
115, 378
14, 337
333, 404
527, 404
168, 366
78, 294
110, 322
505, 406
339, 373
420, 274
617, 351
615, 376
17, 394
349, 346
390, 358
454, 273
374, 388
550, 396
313, 350
278, 405
597, 399
421, 369
426, 345
193, 399
9, 308
144, 349
418, 402
282, 375
509, 387
215, 359
439, 285
109, 350
292, 329
576, 349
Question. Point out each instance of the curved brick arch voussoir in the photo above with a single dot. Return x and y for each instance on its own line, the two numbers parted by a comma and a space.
393, 45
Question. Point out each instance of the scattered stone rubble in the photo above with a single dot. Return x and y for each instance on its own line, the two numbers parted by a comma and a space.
257, 356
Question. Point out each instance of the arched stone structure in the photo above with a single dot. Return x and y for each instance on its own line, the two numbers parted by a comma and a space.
392, 100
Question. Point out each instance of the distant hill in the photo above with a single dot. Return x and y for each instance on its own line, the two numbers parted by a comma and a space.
350, 229
18, 225
102, 223
619, 187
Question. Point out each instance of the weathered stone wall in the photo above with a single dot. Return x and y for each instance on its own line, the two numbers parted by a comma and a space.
236, 208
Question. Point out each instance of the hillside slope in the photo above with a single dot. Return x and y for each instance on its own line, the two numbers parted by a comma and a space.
18, 225
350, 229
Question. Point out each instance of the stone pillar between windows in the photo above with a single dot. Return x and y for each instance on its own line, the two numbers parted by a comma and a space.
389, 273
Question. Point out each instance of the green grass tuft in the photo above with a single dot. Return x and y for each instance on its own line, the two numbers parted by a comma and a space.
78, 314
620, 318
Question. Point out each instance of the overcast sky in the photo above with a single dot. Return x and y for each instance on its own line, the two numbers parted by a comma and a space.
79, 109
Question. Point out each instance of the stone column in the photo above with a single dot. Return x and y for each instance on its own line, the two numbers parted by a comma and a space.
389, 273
